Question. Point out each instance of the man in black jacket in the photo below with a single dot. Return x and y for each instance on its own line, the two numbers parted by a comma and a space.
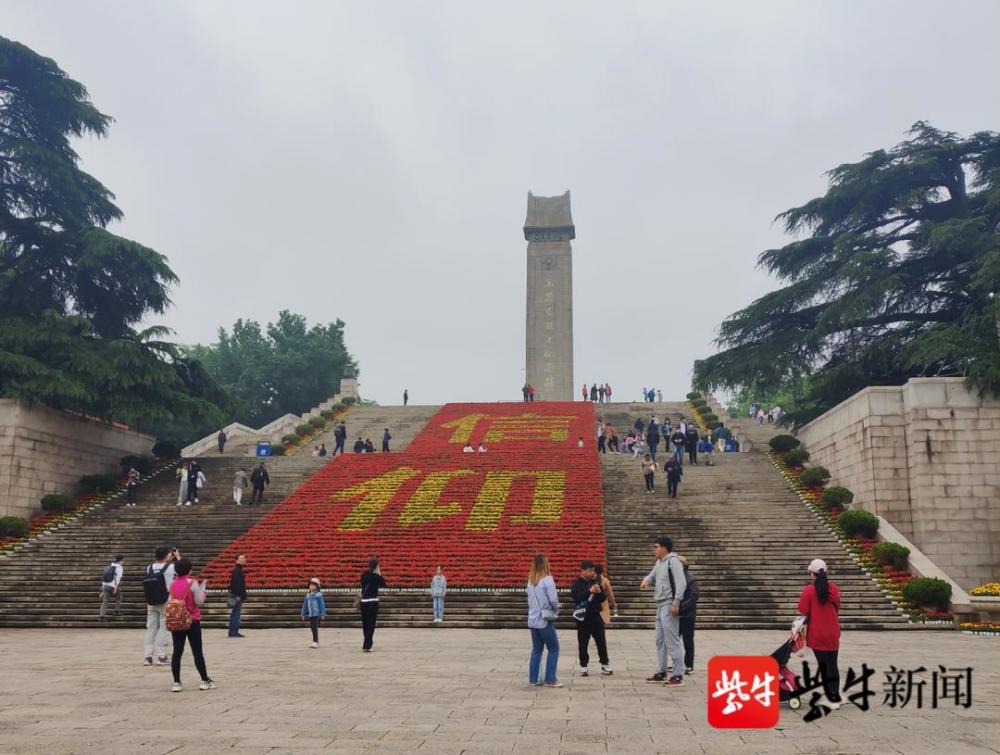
237, 595
692, 443
687, 617
340, 436
588, 595
260, 480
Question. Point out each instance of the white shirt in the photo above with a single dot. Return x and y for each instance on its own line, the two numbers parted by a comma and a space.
168, 575
119, 570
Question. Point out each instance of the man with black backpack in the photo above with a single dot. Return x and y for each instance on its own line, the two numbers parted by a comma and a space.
668, 578
111, 578
156, 589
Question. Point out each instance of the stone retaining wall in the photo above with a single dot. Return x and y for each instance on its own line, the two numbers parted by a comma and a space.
925, 456
44, 451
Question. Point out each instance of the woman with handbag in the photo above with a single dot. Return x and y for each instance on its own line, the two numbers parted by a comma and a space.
543, 609
183, 619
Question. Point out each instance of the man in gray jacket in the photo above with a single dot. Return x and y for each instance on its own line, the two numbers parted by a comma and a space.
668, 578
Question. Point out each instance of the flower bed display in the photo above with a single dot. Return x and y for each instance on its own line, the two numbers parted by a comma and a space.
890, 580
481, 515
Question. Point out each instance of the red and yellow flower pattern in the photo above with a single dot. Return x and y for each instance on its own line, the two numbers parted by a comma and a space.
480, 515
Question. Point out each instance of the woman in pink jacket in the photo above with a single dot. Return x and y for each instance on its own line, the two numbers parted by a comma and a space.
191, 593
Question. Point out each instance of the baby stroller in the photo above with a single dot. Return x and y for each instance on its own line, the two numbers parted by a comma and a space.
788, 690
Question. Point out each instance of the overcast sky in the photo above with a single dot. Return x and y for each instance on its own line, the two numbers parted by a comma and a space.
371, 161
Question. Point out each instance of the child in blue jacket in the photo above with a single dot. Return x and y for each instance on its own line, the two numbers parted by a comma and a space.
314, 608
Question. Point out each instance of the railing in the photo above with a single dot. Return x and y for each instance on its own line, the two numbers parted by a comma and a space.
271, 432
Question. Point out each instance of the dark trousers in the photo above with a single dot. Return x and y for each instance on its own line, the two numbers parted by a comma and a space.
827, 660
369, 616
222, 446
654, 444
192, 489
649, 480
601, 444
385, 446
130, 491
192, 635
258, 495
672, 487
339, 446
613, 444
687, 637
693, 454
592, 627
235, 614
314, 626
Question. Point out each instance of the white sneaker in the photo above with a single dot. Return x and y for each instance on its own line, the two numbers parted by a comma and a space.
607, 670
148, 661
179, 503
831, 704
187, 503
207, 684
584, 671
176, 687
314, 645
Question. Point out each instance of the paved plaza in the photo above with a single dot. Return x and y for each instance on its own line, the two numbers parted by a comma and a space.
449, 691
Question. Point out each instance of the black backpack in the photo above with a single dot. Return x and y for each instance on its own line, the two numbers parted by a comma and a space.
154, 586
108, 577
688, 601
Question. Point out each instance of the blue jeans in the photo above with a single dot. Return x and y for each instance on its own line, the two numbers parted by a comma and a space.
543, 637
438, 601
234, 619
679, 453
653, 445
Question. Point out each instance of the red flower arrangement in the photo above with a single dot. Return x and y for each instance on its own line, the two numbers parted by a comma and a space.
480, 515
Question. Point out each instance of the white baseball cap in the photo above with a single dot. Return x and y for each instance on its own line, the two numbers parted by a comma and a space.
817, 565
316, 580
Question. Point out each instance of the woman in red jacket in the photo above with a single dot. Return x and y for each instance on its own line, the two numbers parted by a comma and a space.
820, 602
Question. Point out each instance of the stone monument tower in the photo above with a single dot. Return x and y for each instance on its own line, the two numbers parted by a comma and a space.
549, 359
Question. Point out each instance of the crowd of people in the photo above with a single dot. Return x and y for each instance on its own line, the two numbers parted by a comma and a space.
174, 599
771, 416
598, 393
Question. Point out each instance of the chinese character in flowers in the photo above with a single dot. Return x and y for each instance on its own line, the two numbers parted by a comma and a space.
526, 426
743, 692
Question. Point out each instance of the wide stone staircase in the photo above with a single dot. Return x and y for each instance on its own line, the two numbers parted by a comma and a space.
54, 581
747, 537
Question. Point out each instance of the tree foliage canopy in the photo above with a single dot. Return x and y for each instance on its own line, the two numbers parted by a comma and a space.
286, 367
889, 277
71, 293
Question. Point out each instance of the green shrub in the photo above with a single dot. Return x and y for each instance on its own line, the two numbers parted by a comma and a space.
326, 413
143, 464
784, 443
891, 554
836, 497
710, 417
712, 425
13, 526
693, 395
928, 591
303, 428
166, 449
857, 522
289, 438
318, 422
338, 407
815, 477
97, 483
348, 400
278, 450
796, 458
56, 502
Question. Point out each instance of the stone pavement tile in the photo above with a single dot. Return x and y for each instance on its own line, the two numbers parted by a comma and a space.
465, 691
